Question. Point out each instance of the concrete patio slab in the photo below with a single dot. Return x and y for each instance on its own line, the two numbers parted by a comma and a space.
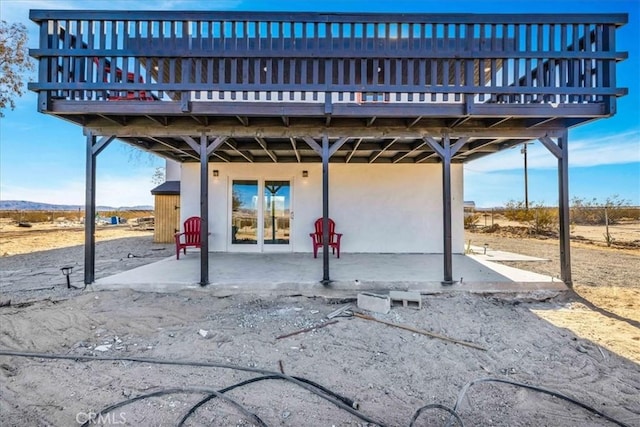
489, 254
300, 273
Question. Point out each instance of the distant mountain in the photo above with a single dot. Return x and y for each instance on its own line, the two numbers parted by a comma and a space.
23, 205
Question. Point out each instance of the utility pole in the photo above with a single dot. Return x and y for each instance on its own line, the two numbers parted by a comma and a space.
526, 178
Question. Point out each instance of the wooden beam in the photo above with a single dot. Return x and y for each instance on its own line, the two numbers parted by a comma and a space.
198, 120
459, 121
373, 157
231, 143
425, 156
313, 144
161, 120
415, 148
295, 148
166, 144
243, 120
337, 145
499, 121
414, 122
355, 148
178, 129
263, 144
530, 123
551, 146
119, 122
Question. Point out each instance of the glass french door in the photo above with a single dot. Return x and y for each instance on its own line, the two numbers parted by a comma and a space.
261, 215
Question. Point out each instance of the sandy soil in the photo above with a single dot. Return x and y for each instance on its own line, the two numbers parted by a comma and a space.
586, 346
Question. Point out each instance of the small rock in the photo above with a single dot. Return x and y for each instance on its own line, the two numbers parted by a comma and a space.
286, 414
172, 335
103, 347
126, 393
203, 333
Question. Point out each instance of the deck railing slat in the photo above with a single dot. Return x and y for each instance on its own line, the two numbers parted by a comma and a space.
563, 59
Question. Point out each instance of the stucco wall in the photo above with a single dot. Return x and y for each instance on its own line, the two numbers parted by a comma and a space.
378, 208
172, 170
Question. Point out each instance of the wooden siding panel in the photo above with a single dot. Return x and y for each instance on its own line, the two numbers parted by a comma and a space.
167, 218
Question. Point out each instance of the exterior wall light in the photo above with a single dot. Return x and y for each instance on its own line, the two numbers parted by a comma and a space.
305, 174
216, 172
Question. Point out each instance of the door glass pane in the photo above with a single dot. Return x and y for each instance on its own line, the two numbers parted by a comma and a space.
244, 212
277, 217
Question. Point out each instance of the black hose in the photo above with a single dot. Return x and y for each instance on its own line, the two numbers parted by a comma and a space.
332, 397
195, 407
453, 413
553, 393
253, 417
302, 384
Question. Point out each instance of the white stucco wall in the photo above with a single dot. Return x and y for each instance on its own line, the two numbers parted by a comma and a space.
172, 170
378, 208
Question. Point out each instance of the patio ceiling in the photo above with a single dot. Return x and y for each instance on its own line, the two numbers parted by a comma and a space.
369, 140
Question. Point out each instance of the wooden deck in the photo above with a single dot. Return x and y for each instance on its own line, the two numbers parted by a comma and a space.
286, 71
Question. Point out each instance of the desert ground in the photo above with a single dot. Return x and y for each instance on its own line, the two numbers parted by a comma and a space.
584, 344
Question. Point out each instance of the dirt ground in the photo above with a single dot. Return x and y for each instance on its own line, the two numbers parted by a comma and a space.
586, 346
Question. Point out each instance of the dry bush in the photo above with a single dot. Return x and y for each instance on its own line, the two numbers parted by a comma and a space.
517, 211
592, 212
540, 219
471, 220
544, 220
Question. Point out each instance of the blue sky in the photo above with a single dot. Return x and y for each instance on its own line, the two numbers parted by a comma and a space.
42, 158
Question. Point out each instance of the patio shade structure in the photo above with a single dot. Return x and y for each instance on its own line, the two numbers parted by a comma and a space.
212, 87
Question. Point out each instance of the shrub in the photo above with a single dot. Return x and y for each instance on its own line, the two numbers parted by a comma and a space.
516, 211
471, 220
544, 219
592, 212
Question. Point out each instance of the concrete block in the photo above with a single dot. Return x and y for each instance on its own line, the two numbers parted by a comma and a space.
407, 299
374, 302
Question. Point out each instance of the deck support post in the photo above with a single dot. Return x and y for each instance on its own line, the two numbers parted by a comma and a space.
94, 147
204, 150
325, 210
204, 211
446, 152
325, 151
561, 152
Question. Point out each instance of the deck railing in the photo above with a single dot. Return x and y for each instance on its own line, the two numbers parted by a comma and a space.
308, 57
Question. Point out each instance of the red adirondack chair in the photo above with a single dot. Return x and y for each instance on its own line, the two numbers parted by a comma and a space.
191, 235
334, 238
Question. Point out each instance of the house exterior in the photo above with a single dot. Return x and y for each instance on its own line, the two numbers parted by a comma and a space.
278, 119
380, 208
